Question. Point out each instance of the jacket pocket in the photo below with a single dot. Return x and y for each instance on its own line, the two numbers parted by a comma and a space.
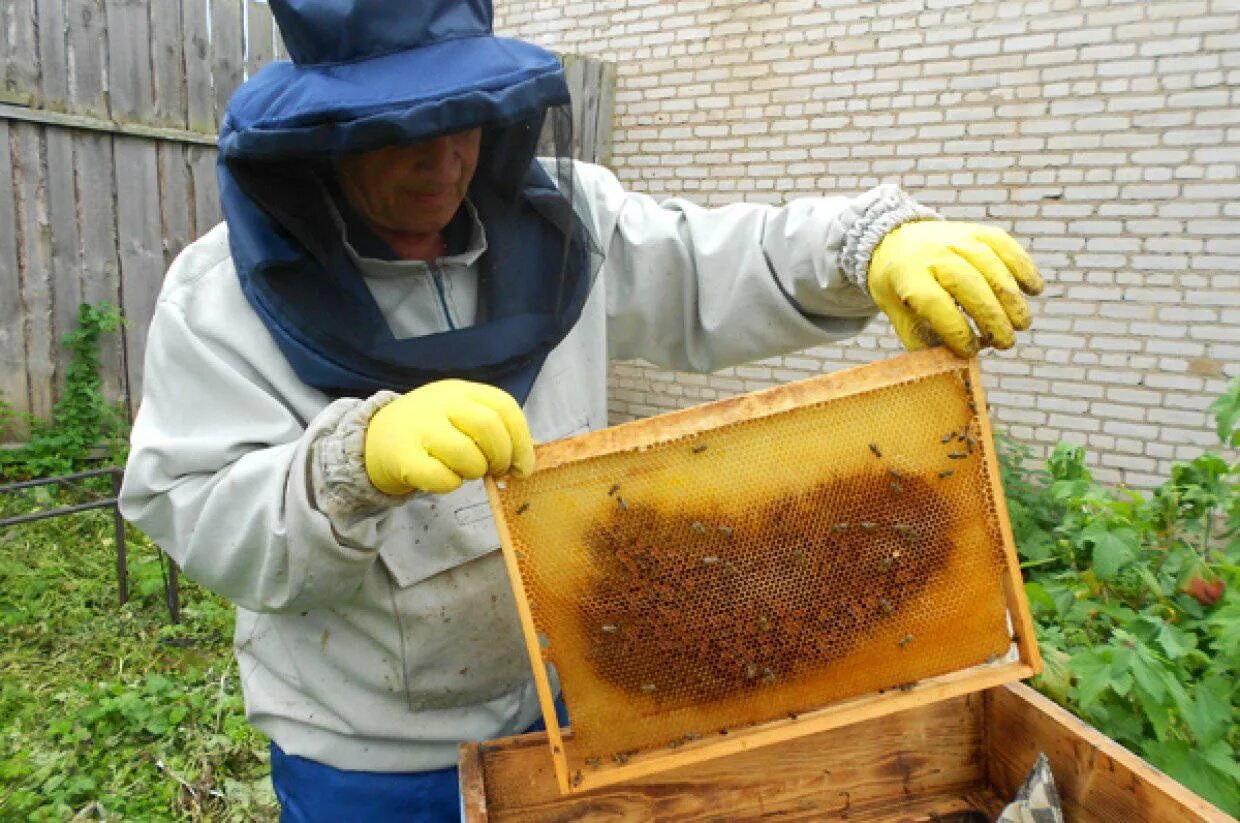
461, 637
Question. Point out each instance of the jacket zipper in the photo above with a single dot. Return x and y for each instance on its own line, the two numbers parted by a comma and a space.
437, 278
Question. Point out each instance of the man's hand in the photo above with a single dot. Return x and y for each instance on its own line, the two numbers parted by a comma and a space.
439, 435
923, 273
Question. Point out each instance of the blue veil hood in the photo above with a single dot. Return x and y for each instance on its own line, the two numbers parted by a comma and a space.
372, 73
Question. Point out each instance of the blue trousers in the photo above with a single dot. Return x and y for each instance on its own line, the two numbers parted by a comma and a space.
312, 792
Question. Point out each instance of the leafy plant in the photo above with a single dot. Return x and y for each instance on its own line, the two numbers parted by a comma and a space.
110, 712
1135, 602
81, 419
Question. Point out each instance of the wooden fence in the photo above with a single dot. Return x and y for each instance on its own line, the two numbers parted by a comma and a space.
108, 115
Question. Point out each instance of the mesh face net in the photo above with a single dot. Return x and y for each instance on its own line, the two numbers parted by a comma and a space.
556, 152
741, 573
569, 261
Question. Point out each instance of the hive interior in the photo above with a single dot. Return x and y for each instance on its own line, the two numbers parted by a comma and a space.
739, 573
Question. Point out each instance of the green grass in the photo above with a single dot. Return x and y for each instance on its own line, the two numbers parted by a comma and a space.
110, 711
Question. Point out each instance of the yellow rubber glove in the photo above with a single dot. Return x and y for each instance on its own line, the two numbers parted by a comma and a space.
923, 273
441, 434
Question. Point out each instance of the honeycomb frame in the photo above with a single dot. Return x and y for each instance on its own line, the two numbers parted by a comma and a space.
598, 581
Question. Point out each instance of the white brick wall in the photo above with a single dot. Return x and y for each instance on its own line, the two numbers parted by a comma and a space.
1103, 133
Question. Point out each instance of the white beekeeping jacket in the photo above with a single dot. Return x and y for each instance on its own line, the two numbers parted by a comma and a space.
376, 632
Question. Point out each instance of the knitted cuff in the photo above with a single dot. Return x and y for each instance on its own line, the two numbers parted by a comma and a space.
889, 208
341, 486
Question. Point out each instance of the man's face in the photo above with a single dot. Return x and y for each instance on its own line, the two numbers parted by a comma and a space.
412, 189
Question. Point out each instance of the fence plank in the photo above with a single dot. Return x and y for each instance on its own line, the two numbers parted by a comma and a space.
199, 97
585, 112
175, 197
20, 51
64, 286
53, 57
227, 51
99, 272
175, 200
167, 64
13, 387
574, 74
137, 180
206, 191
141, 249
130, 85
100, 266
34, 263
260, 41
65, 270
87, 20
605, 113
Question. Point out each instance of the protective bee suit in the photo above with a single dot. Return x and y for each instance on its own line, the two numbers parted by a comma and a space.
375, 632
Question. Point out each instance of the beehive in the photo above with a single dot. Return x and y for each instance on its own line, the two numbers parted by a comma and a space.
773, 564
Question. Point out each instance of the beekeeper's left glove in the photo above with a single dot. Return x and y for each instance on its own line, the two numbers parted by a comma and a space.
923, 273
444, 433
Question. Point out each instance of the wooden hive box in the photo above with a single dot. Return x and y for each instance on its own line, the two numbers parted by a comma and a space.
958, 760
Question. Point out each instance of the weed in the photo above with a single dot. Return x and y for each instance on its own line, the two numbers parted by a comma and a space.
81, 420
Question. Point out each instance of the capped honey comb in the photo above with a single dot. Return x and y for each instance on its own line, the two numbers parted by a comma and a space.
766, 565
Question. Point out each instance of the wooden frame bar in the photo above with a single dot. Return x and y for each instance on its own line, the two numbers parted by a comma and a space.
1014, 584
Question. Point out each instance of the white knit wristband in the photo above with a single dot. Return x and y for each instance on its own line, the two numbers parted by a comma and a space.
889, 208
341, 485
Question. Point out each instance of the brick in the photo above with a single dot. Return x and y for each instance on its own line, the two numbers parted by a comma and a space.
1029, 42
1192, 137
1197, 401
1181, 348
1086, 36
1073, 423
1118, 412
1178, 416
1137, 397
1179, 45
1083, 390
1125, 68
1138, 431
1129, 462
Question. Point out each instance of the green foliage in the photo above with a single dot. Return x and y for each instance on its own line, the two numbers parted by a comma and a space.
81, 419
109, 712
112, 710
1135, 603
1227, 415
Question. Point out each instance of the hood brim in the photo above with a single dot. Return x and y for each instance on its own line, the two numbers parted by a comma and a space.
288, 111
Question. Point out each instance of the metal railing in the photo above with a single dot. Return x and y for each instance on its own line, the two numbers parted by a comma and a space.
167, 568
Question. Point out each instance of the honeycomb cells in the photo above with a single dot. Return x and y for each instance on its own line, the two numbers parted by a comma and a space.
766, 567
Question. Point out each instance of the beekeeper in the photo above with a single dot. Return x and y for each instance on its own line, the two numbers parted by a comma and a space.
402, 300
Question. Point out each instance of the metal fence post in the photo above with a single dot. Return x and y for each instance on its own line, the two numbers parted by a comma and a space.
173, 593
118, 530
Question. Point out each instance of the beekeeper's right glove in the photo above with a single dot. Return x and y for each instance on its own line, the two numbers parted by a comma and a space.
441, 434
924, 273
